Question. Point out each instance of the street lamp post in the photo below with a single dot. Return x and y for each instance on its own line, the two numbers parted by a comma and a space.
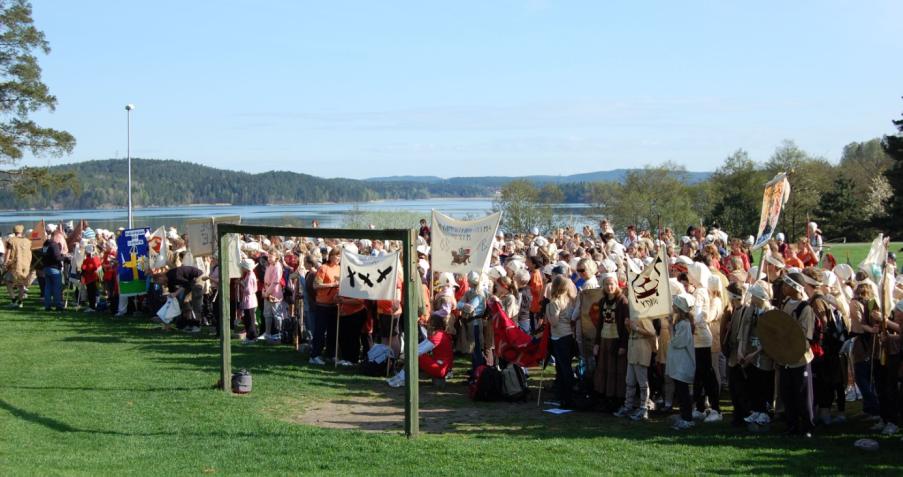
128, 152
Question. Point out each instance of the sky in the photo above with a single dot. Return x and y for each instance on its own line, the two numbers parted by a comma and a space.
366, 89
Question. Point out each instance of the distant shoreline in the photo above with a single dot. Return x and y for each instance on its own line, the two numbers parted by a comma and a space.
281, 204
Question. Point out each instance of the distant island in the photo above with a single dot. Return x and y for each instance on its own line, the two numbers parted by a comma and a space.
167, 183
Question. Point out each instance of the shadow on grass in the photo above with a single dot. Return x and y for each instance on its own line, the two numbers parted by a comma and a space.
449, 410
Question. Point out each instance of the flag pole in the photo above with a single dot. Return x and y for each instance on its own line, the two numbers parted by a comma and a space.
338, 316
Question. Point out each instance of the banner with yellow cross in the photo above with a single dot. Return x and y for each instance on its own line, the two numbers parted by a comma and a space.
132, 254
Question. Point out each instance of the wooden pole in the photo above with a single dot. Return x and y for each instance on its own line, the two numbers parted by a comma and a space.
338, 316
392, 322
225, 331
412, 287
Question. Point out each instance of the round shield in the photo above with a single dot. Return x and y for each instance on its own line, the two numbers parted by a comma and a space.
782, 337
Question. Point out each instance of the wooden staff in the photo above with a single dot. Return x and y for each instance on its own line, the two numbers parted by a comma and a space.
338, 316
542, 373
392, 322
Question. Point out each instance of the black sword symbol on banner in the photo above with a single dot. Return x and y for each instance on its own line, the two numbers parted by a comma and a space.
383, 274
351, 277
365, 278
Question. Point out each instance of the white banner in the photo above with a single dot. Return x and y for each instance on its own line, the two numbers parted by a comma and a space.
777, 191
157, 248
367, 277
649, 292
462, 246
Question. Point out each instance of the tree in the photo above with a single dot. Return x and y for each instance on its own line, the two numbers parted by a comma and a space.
551, 194
809, 177
519, 202
737, 189
839, 211
22, 93
893, 146
648, 197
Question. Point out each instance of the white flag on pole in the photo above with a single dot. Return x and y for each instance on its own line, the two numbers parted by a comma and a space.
368, 277
649, 292
462, 246
157, 248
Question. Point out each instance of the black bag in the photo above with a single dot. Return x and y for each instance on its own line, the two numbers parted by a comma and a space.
486, 384
379, 370
514, 384
290, 329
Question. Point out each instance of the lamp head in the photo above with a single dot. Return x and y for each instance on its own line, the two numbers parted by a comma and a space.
129, 107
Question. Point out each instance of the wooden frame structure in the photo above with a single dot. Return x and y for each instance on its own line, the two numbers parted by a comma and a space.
410, 301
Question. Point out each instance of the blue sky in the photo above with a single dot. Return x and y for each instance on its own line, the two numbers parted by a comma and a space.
363, 89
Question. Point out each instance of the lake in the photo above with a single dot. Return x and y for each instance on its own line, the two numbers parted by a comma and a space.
329, 215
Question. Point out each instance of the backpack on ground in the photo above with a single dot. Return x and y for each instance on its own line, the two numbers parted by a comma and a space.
290, 330
514, 384
375, 364
486, 384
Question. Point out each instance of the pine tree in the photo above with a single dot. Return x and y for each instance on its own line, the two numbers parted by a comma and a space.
22, 93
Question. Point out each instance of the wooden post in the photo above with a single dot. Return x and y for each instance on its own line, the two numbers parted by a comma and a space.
225, 330
412, 290
412, 287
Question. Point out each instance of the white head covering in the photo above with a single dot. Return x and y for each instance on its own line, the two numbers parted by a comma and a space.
699, 274
684, 302
843, 271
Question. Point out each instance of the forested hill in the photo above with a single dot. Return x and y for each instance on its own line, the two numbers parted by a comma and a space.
614, 175
103, 183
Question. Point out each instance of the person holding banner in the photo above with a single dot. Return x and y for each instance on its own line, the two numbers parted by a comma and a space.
610, 379
326, 286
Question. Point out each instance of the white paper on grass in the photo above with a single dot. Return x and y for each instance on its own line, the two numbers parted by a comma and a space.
462, 246
367, 277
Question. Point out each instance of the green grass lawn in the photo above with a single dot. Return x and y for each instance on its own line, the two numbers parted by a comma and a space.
851, 253
84, 394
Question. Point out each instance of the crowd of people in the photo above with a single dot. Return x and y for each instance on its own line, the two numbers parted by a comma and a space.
679, 364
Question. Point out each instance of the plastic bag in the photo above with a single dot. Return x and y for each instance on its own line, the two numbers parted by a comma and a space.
169, 310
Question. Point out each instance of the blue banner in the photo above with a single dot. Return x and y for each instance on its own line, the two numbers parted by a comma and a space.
132, 255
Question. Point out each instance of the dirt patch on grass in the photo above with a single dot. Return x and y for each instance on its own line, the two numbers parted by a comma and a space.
441, 411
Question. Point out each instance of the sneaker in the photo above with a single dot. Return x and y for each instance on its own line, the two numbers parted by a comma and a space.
651, 406
890, 429
872, 418
20, 305
640, 415
90, 310
698, 416
248, 342
345, 363
763, 419
397, 381
682, 425
624, 411
751, 418
318, 361
713, 416
193, 329
879, 426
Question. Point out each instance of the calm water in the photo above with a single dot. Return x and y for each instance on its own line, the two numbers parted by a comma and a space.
329, 215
